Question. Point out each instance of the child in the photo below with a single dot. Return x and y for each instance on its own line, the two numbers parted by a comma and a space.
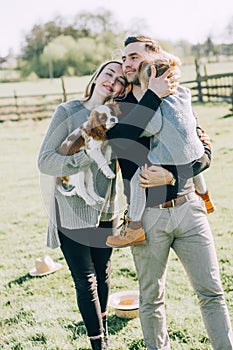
173, 121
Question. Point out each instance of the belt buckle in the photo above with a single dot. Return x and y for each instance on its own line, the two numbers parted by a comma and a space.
173, 204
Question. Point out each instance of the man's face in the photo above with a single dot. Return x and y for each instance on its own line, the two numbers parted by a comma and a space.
133, 54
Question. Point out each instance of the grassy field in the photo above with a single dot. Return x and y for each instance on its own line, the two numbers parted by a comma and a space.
41, 313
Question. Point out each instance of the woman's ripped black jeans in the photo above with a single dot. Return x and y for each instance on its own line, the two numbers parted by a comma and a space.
90, 268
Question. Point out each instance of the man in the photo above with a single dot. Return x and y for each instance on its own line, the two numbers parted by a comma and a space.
137, 109
174, 218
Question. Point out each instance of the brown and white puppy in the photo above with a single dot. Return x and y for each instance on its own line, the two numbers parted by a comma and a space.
89, 136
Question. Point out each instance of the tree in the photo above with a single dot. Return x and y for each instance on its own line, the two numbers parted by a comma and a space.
209, 48
56, 55
183, 48
41, 49
197, 51
229, 31
95, 23
38, 38
65, 54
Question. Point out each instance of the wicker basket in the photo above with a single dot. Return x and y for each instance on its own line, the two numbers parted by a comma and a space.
125, 303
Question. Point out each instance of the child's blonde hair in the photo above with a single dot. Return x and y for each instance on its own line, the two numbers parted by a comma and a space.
161, 62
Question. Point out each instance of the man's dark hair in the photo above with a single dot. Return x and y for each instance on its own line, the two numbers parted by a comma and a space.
150, 44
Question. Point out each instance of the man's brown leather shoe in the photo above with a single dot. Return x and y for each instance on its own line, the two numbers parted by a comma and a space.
128, 238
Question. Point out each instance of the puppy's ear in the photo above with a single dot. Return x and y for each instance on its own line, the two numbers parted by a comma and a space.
92, 120
96, 125
94, 114
114, 107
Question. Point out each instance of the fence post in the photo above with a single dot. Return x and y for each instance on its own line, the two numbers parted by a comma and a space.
231, 109
63, 89
206, 83
199, 87
16, 105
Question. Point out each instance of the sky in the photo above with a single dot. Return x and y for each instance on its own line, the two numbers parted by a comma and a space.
191, 20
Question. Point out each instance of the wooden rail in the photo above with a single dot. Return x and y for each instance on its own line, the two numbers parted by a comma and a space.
209, 88
34, 107
216, 88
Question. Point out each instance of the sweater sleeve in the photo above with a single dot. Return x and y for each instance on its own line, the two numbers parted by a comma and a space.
204, 162
50, 161
131, 125
201, 164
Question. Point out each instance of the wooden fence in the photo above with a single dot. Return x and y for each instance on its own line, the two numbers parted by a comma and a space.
33, 107
217, 88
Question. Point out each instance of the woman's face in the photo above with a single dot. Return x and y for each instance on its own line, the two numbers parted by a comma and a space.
111, 81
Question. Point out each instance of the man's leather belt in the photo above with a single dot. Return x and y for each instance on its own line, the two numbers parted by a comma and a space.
176, 201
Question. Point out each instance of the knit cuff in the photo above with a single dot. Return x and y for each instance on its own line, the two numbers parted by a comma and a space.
150, 100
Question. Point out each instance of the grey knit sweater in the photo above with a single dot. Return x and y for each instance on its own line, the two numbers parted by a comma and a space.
173, 128
74, 213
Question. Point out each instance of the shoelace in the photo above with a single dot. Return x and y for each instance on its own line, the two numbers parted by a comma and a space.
123, 224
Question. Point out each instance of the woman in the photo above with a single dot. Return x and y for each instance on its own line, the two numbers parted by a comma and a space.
81, 230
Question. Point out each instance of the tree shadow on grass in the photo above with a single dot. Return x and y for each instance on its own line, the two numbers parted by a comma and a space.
76, 329
116, 324
227, 116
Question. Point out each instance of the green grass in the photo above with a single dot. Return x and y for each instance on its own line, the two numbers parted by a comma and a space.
41, 313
